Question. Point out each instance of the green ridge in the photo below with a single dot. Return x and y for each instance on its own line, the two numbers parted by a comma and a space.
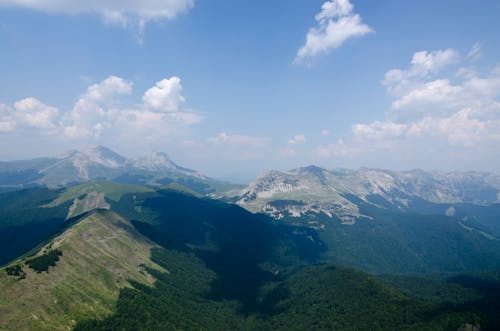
100, 254
113, 191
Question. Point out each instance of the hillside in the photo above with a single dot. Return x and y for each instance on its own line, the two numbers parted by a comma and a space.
101, 254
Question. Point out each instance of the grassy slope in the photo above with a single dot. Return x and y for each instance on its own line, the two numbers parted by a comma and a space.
113, 191
99, 254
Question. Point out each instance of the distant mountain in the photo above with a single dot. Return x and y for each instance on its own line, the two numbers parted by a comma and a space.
160, 162
318, 190
386, 221
77, 166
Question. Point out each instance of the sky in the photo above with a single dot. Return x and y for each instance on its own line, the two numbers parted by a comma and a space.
235, 88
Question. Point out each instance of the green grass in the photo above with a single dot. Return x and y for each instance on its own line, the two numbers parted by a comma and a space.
181, 189
113, 191
101, 254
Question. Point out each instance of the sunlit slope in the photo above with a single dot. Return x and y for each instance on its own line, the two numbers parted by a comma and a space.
99, 255
111, 190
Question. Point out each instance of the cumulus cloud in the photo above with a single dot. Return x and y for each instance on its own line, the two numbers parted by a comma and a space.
29, 114
108, 88
94, 111
125, 13
427, 89
33, 113
336, 23
437, 101
423, 65
165, 96
101, 113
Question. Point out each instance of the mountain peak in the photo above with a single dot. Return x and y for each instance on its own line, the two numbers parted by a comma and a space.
95, 154
310, 169
154, 161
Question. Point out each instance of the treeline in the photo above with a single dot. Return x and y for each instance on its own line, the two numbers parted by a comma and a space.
16, 270
43, 262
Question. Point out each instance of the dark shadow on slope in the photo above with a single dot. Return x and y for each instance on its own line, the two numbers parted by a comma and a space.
230, 241
25, 223
488, 305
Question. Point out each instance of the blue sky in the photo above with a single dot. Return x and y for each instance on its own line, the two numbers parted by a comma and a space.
232, 88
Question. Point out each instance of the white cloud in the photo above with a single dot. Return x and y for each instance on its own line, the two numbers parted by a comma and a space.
100, 113
289, 150
33, 113
336, 23
336, 149
423, 64
126, 13
108, 88
425, 89
297, 139
434, 93
325, 132
463, 129
378, 130
451, 113
29, 114
94, 111
165, 96
6, 123
75, 132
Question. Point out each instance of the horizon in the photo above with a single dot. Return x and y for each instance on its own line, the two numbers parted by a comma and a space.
249, 180
236, 89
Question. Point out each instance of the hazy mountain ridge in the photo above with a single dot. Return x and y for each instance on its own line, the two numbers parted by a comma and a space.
318, 190
94, 163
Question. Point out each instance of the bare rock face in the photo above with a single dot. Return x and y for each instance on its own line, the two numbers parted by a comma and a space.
338, 192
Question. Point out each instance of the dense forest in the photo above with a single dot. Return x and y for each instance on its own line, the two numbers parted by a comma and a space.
26, 221
229, 269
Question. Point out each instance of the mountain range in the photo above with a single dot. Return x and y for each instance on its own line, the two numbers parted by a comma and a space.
318, 190
97, 163
92, 240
